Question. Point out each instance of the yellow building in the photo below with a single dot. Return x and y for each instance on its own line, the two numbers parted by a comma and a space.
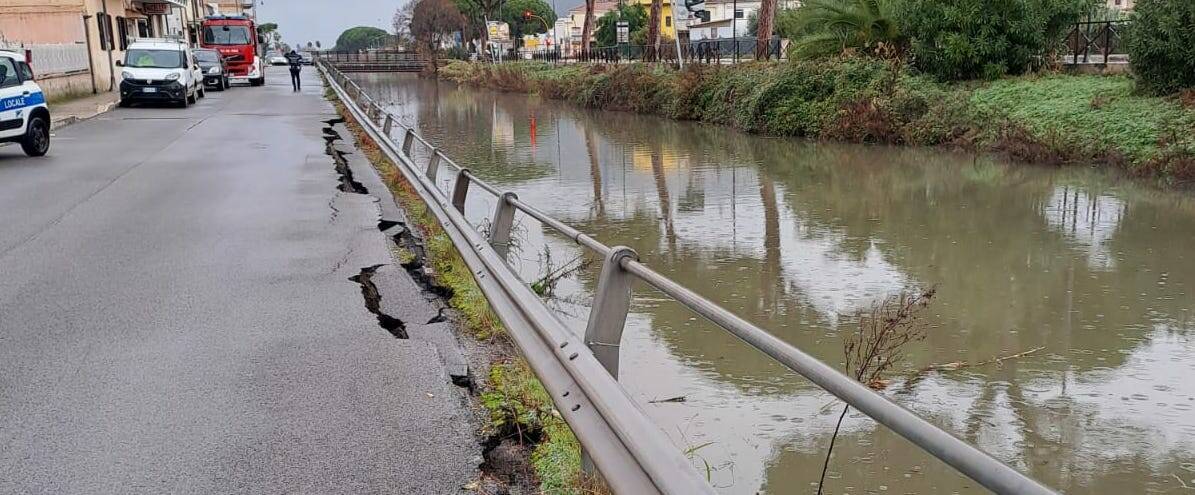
667, 19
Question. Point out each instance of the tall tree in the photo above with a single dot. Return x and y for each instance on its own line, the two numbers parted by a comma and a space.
653, 27
763, 33
512, 13
432, 21
360, 38
634, 15
478, 12
587, 30
402, 23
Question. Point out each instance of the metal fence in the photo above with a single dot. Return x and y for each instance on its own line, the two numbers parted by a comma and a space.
631, 453
711, 51
375, 61
52, 59
1096, 42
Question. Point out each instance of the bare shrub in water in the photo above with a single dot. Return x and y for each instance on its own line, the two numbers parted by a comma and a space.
876, 346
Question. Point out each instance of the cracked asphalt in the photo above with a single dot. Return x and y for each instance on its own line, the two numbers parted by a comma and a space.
176, 314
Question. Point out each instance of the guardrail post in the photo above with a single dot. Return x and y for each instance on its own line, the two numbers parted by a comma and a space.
433, 164
407, 140
460, 190
388, 125
608, 317
500, 227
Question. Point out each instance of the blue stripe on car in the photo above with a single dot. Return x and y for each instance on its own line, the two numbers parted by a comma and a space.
16, 102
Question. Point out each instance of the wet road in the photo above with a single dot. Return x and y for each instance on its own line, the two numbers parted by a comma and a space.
176, 314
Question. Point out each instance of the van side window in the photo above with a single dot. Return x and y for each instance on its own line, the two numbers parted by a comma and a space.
8, 73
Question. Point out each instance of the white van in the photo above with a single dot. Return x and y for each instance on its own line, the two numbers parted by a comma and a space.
160, 70
24, 116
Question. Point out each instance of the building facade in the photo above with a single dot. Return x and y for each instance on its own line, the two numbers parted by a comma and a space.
74, 44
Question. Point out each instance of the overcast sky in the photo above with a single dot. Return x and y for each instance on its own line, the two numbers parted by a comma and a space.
301, 21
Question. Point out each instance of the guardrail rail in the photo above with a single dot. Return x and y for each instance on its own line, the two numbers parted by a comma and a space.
632, 455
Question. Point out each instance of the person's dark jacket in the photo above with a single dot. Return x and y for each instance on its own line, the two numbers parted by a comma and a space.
296, 61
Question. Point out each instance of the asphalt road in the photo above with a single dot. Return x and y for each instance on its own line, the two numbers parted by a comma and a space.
176, 314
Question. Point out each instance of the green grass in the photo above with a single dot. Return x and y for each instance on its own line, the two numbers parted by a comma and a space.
1098, 113
516, 399
1082, 119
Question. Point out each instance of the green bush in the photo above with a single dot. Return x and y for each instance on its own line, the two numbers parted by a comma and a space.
969, 39
1161, 42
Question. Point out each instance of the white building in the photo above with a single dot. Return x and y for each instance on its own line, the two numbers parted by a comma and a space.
727, 18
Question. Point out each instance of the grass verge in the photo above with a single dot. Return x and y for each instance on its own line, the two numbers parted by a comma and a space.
520, 410
1050, 118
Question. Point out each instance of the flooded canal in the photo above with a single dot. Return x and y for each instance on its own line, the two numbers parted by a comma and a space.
798, 237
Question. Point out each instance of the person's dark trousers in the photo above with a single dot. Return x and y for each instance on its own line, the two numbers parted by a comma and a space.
294, 80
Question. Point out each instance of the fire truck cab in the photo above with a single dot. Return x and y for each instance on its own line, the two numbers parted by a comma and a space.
235, 37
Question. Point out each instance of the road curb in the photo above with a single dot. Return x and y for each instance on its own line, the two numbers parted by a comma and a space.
68, 120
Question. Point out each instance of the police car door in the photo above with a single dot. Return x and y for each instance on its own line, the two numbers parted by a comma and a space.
16, 99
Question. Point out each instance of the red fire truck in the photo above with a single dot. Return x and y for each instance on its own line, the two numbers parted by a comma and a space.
237, 40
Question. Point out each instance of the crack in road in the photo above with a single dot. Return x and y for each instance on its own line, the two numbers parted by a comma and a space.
373, 302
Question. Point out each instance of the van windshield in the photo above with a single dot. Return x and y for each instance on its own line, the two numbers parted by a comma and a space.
154, 59
226, 35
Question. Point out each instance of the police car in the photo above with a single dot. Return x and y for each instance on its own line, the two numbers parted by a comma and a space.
24, 116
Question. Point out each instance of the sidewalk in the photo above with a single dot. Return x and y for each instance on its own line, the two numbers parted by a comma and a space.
71, 111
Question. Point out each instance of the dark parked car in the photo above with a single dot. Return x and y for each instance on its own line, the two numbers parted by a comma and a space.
214, 67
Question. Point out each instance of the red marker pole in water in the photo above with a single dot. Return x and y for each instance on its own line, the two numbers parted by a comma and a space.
533, 132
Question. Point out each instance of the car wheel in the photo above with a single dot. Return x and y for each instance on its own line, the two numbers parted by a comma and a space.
124, 103
257, 82
37, 137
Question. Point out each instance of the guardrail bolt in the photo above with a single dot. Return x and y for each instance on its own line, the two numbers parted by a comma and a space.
608, 317
504, 215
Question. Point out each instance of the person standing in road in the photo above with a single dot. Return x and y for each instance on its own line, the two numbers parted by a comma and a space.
296, 66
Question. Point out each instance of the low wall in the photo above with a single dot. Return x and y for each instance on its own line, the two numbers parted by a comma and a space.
64, 85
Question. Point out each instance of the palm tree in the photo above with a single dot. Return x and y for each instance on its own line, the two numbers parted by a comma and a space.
765, 22
587, 30
653, 29
832, 27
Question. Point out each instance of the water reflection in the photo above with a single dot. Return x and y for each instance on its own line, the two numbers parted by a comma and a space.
798, 236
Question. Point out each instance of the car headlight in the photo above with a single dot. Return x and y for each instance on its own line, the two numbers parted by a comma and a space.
213, 70
126, 75
173, 76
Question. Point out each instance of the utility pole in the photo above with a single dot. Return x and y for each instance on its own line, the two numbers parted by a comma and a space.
680, 59
734, 28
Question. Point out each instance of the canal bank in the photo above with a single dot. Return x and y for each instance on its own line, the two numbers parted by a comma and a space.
800, 236
1097, 121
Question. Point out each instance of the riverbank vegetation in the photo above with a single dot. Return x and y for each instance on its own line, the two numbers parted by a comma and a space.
1041, 118
528, 442
971, 74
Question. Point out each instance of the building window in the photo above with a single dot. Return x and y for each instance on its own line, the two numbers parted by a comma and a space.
738, 13
668, 21
107, 41
122, 32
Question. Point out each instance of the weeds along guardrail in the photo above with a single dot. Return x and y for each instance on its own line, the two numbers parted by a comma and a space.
633, 455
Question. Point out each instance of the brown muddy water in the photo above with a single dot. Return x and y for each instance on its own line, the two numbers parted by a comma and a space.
798, 237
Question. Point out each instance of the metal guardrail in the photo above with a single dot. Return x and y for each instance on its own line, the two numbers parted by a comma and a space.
632, 454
